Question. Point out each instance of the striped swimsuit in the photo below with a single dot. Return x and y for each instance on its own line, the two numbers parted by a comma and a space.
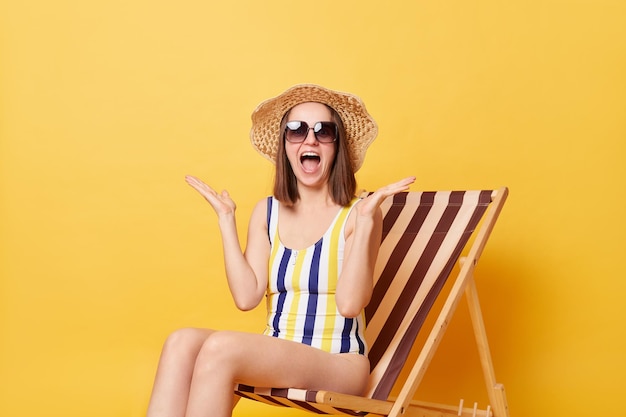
301, 290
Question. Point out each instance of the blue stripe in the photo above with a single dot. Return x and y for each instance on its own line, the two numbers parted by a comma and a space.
359, 340
311, 309
345, 335
282, 292
269, 217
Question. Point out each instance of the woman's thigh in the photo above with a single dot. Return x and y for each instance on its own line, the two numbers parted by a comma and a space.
262, 360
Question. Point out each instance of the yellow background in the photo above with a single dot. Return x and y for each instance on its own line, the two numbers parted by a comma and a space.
106, 105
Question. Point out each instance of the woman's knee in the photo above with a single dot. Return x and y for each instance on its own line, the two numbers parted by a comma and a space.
220, 349
185, 342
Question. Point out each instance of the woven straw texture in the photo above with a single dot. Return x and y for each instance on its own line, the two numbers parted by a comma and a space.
361, 129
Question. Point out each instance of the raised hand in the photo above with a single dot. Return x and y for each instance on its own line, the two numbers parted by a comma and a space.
221, 202
370, 204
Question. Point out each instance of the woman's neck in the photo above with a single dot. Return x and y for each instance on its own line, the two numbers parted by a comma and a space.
314, 198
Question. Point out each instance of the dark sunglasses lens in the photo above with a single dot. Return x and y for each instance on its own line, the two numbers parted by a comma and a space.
296, 131
325, 131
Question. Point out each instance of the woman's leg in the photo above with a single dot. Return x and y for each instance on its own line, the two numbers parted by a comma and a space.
227, 358
173, 379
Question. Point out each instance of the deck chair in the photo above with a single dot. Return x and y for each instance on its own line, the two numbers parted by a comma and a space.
424, 236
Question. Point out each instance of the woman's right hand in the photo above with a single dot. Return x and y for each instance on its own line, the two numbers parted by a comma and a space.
221, 203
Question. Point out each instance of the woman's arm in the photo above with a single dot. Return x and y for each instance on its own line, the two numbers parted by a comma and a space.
246, 272
355, 284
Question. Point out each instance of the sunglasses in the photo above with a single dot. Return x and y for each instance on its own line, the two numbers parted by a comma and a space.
297, 131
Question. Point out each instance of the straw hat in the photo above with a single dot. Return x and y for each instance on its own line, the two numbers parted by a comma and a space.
361, 129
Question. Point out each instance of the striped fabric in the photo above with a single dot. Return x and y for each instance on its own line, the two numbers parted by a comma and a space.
424, 233
301, 300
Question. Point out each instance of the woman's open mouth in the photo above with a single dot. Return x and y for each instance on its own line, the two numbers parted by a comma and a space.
309, 161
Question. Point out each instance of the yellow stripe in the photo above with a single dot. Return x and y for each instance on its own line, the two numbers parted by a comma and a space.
331, 307
273, 254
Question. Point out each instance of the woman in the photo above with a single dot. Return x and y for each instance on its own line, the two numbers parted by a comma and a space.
310, 249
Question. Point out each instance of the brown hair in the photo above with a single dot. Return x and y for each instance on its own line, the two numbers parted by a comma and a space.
342, 182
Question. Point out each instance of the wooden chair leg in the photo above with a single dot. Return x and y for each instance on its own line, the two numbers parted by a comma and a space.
494, 389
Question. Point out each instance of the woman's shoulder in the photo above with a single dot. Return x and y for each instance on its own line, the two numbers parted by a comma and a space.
262, 204
265, 206
260, 209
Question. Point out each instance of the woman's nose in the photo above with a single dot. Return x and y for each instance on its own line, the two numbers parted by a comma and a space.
310, 137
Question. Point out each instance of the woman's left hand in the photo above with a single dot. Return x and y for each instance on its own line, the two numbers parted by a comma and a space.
369, 205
